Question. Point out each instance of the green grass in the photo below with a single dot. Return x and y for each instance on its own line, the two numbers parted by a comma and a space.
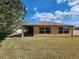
40, 48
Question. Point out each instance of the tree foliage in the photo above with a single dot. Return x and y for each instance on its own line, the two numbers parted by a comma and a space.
10, 13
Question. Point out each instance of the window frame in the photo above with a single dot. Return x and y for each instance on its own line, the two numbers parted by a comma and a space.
45, 30
65, 30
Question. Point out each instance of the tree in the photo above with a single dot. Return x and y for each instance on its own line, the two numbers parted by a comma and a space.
10, 13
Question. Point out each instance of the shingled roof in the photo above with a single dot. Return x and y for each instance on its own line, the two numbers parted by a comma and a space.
48, 23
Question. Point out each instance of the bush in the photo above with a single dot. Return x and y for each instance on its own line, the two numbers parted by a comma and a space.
4, 34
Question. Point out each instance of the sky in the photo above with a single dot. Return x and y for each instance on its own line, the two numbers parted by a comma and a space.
59, 11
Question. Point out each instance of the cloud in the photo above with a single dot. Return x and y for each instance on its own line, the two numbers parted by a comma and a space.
58, 15
74, 10
43, 16
70, 2
73, 2
76, 23
26, 8
58, 21
75, 20
35, 9
60, 1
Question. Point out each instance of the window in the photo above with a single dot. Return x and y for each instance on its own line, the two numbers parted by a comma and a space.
44, 30
63, 30
60, 30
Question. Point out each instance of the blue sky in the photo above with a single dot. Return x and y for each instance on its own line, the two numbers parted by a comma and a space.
52, 10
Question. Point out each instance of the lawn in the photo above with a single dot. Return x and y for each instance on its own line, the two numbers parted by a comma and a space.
40, 48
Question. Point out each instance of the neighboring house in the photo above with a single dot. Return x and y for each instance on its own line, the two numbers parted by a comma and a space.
76, 31
47, 29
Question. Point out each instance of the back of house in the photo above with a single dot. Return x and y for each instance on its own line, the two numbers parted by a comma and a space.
47, 29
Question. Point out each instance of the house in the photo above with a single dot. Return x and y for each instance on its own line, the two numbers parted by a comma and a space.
76, 31
47, 29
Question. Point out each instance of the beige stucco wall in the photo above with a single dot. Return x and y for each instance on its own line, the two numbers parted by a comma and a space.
71, 30
54, 30
36, 29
